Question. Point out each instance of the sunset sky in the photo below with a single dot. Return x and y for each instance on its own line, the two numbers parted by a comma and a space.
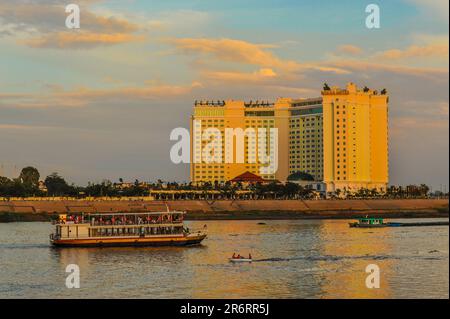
100, 102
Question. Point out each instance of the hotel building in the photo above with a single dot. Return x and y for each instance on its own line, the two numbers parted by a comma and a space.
339, 138
355, 130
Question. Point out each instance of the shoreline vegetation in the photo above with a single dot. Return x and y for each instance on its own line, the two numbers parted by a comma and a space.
27, 211
27, 198
297, 187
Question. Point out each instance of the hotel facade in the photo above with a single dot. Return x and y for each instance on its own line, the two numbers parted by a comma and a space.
340, 138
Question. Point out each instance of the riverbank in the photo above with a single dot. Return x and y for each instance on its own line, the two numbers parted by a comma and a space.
234, 210
253, 215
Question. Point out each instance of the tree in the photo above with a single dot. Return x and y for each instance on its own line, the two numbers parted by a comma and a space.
29, 177
291, 190
424, 189
56, 185
5, 186
300, 176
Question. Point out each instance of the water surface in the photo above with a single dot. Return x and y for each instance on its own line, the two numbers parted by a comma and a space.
293, 259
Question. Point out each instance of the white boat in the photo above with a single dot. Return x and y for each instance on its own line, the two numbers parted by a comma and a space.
240, 260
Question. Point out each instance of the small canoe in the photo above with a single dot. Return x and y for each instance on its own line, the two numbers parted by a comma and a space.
240, 260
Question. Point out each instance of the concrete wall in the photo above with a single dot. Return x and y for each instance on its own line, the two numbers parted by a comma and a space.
222, 206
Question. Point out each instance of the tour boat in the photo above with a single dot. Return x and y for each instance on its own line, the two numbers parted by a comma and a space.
125, 229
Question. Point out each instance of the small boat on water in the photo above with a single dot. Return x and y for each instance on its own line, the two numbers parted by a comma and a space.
369, 222
240, 260
373, 222
125, 229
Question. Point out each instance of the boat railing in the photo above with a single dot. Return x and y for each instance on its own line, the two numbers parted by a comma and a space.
118, 223
120, 226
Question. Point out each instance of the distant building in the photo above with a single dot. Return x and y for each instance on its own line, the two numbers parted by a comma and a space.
340, 138
299, 124
249, 178
355, 133
123, 185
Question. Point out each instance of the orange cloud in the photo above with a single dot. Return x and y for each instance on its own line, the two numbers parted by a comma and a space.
257, 76
414, 51
353, 65
145, 92
349, 49
248, 53
63, 40
235, 51
83, 96
44, 22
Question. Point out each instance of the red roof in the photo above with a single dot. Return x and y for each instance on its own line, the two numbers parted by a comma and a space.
248, 177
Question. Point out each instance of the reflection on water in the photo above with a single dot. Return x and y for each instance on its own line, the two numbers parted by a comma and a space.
292, 259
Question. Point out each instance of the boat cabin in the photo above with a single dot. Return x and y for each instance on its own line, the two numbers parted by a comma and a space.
120, 224
370, 221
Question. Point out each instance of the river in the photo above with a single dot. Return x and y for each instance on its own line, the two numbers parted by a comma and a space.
292, 259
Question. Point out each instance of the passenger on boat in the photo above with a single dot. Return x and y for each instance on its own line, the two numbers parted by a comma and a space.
234, 256
249, 256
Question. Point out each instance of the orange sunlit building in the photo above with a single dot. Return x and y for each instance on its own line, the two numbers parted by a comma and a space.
340, 138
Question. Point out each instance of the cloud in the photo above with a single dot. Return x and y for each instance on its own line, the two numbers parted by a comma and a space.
352, 66
243, 52
84, 96
41, 24
349, 49
415, 51
234, 51
179, 20
80, 40
49, 16
145, 92
257, 76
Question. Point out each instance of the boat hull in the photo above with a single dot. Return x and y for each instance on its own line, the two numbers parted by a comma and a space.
240, 260
130, 241
357, 225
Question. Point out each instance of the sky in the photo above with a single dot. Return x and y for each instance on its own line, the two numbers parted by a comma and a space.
100, 102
